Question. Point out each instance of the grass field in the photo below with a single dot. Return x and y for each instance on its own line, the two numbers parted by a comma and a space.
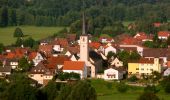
105, 92
6, 34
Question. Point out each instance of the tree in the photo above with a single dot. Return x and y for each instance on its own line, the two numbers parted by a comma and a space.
134, 56
51, 90
148, 96
4, 17
152, 89
1, 48
13, 18
23, 64
82, 91
19, 42
122, 87
20, 89
29, 42
18, 32
133, 78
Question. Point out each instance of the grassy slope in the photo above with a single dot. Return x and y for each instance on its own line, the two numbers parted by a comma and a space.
105, 93
6, 34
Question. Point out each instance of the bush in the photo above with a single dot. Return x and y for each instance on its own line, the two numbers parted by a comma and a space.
109, 85
152, 89
133, 78
167, 87
122, 87
148, 96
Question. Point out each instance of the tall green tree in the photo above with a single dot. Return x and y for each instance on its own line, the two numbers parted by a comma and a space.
18, 32
4, 17
23, 64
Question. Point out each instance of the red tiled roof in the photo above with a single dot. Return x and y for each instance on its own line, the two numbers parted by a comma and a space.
163, 33
143, 36
95, 45
146, 60
60, 41
74, 49
46, 48
73, 65
157, 24
32, 55
130, 41
54, 61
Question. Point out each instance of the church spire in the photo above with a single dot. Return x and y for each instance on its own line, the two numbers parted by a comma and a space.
84, 23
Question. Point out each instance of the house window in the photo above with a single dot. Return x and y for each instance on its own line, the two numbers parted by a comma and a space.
137, 68
117, 62
142, 68
41, 75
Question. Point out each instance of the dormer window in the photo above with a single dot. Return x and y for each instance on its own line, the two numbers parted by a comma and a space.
34, 70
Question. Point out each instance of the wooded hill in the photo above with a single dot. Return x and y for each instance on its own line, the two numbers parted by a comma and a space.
65, 12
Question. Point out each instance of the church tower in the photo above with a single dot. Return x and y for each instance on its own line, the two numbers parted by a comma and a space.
84, 41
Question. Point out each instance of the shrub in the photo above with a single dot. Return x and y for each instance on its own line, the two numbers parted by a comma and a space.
109, 85
122, 87
133, 78
148, 96
167, 87
152, 89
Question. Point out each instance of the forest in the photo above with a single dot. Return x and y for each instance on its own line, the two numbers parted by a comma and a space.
65, 12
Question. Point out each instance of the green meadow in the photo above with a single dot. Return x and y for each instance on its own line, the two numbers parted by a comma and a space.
108, 91
37, 33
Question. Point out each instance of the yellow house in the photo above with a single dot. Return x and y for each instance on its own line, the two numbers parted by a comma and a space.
144, 66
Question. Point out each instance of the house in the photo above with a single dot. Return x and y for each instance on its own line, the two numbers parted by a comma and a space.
112, 74
40, 73
142, 36
46, 49
160, 53
131, 48
163, 35
38, 58
5, 70
166, 72
60, 41
117, 63
14, 63
76, 67
144, 66
109, 48
56, 63
106, 39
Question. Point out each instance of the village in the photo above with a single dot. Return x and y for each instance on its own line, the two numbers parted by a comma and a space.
105, 59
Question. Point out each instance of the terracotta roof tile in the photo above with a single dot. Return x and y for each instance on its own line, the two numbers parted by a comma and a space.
163, 33
73, 65
54, 61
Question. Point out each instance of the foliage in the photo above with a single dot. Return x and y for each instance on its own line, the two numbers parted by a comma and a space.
165, 83
51, 90
109, 85
133, 78
23, 64
167, 87
29, 42
19, 42
83, 91
148, 96
1, 48
18, 32
19, 88
68, 76
152, 89
122, 87
110, 54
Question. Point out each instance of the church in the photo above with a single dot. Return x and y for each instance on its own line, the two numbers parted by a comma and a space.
84, 51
